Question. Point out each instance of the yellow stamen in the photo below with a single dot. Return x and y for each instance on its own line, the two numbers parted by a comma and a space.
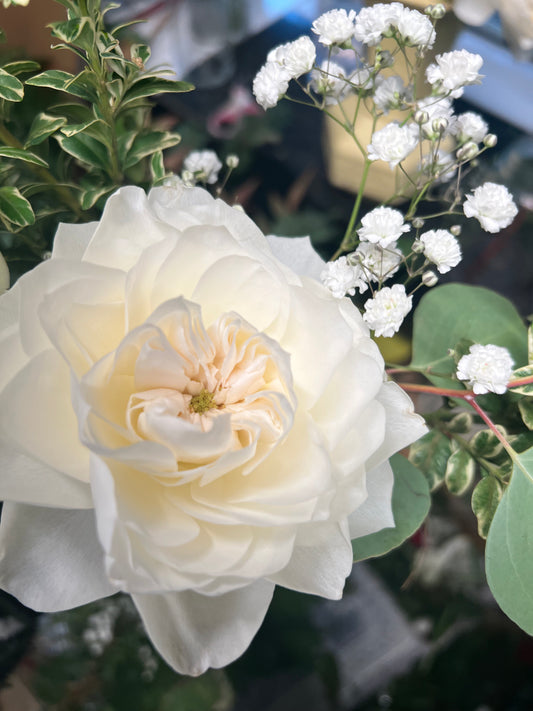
202, 402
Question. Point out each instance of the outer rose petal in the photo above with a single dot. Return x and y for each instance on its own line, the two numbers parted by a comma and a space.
71, 241
51, 559
193, 632
298, 254
376, 512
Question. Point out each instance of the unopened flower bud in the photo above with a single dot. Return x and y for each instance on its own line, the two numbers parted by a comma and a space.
437, 11
418, 223
417, 246
421, 117
439, 125
490, 140
468, 151
429, 278
456, 230
188, 177
232, 161
383, 59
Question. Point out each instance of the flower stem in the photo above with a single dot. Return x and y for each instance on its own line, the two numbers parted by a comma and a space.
347, 242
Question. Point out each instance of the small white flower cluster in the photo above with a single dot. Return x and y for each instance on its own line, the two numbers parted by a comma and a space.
492, 205
382, 225
342, 278
99, 631
486, 368
148, 661
201, 166
286, 62
452, 71
393, 143
384, 19
441, 248
385, 313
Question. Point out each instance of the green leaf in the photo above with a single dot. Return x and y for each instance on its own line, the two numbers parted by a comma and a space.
74, 128
20, 154
530, 343
430, 454
52, 79
140, 52
151, 86
463, 312
410, 506
21, 67
43, 126
70, 30
85, 148
157, 167
148, 143
525, 372
485, 499
485, 444
526, 410
14, 208
508, 558
91, 196
460, 471
460, 423
11, 89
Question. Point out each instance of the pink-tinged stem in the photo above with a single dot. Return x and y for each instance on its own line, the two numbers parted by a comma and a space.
466, 395
520, 381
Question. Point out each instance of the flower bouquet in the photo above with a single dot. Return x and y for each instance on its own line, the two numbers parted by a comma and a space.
193, 413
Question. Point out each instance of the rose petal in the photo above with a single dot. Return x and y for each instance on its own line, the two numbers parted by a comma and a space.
56, 562
126, 228
403, 425
321, 566
71, 241
298, 254
376, 512
31, 482
193, 632
36, 415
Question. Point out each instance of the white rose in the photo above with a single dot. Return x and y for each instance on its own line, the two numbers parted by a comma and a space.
186, 418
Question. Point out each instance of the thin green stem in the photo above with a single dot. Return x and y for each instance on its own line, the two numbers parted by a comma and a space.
347, 239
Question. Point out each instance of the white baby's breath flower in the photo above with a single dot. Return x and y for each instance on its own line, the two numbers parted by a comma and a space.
342, 278
360, 78
470, 127
385, 313
296, 57
441, 248
334, 27
378, 264
436, 107
204, 166
382, 225
374, 22
486, 368
415, 28
492, 205
389, 93
393, 143
330, 81
452, 71
270, 83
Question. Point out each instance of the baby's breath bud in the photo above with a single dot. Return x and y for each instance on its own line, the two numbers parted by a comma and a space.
439, 125
383, 59
417, 246
490, 140
418, 223
232, 161
188, 177
421, 117
455, 230
468, 151
429, 278
437, 11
